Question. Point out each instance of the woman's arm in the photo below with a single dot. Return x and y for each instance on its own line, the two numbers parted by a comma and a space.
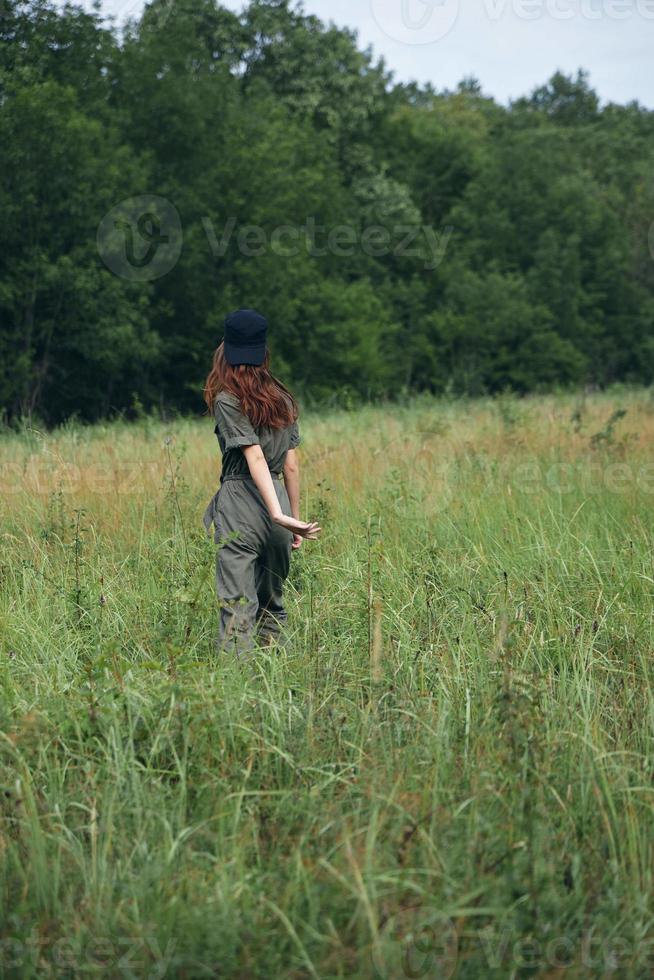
292, 483
261, 475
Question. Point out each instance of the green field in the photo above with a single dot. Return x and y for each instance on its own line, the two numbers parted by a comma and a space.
449, 771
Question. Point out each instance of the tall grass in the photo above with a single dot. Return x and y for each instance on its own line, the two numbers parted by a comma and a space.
448, 772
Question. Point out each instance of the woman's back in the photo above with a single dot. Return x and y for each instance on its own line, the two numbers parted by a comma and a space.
234, 430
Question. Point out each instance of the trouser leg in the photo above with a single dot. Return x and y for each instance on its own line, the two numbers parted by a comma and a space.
237, 596
271, 573
252, 564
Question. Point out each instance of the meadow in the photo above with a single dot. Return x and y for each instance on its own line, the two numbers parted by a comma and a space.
448, 771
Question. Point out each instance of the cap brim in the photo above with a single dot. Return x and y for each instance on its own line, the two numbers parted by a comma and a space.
244, 355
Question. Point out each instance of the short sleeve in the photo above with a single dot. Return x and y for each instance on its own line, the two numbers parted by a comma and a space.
295, 436
232, 424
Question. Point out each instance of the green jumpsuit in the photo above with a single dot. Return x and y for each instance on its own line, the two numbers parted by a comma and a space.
253, 557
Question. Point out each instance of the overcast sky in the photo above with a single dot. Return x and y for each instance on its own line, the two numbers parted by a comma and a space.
511, 46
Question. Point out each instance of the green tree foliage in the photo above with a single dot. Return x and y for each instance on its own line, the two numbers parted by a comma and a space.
398, 237
73, 336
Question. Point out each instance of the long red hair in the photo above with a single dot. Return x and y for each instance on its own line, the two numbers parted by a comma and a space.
264, 399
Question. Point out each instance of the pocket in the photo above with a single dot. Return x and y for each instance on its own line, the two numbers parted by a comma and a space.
222, 534
208, 517
237, 519
240, 536
230, 531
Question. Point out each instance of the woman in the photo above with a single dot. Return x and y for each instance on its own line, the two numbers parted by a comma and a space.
255, 515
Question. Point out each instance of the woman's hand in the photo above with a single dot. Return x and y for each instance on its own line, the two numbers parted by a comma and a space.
297, 542
261, 475
299, 529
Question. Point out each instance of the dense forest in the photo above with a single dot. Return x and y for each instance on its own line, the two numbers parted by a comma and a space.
399, 238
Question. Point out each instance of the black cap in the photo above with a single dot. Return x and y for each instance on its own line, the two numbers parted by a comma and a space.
245, 337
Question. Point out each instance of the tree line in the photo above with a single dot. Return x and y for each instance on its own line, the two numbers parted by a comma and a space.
399, 238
